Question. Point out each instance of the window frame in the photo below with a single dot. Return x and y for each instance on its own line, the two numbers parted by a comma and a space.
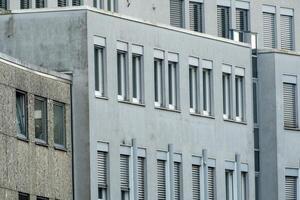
100, 76
227, 14
239, 98
22, 195
227, 91
24, 136
45, 120
122, 75
207, 90
194, 92
63, 106
137, 78
199, 5
159, 82
173, 85
292, 81
104, 148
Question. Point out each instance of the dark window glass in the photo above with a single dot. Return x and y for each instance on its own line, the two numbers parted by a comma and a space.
21, 114
59, 124
40, 119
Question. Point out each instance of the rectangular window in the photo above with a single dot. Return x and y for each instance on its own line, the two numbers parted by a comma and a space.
41, 198
76, 2
289, 105
40, 3
226, 95
59, 124
207, 91
124, 177
158, 82
102, 175
239, 98
173, 84
61, 3
196, 182
100, 71
291, 188
194, 89
177, 180
229, 185
25, 4
176, 13
286, 32
223, 16
161, 180
242, 20
141, 178
98, 4
195, 16
40, 119
122, 76
23, 196
137, 78
211, 183
244, 185
269, 30
21, 114
3, 4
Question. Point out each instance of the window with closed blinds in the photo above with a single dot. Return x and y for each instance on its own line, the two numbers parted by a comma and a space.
76, 2
269, 30
211, 183
286, 32
195, 16
102, 169
223, 14
161, 179
289, 105
141, 178
290, 188
176, 13
61, 3
40, 3
3, 4
24, 4
177, 182
242, 19
124, 172
196, 182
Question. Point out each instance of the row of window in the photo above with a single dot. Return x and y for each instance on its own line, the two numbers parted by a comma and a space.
166, 81
40, 119
25, 196
169, 180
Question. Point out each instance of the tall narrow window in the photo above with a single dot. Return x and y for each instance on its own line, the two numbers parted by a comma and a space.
141, 178
226, 95
21, 114
59, 124
3, 4
196, 182
40, 119
102, 175
269, 30
41, 198
173, 85
286, 32
124, 175
289, 105
229, 185
40, 3
25, 4
194, 90
223, 16
23, 196
161, 180
76, 2
242, 19
98, 4
158, 82
291, 188
195, 16
137, 78
61, 3
100, 71
207, 90
211, 183
122, 76
177, 180
176, 13
244, 185
239, 97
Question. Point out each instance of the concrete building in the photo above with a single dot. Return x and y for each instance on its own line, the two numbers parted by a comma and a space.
169, 97
35, 132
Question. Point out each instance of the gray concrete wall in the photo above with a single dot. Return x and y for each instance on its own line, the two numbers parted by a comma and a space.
24, 165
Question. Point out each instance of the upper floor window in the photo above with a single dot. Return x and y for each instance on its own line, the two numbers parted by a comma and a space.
61, 3
211, 183
223, 18
194, 88
59, 124
40, 3
159, 81
137, 74
177, 180
25, 4
76, 2
176, 13
291, 187
124, 177
196, 17
229, 185
286, 30
244, 185
41, 198
40, 119
21, 114
269, 30
123, 82
226, 79
173, 82
242, 19
3, 4
239, 97
98, 4
102, 170
196, 181
100, 67
23, 196
207, 87
289, 104
161, 179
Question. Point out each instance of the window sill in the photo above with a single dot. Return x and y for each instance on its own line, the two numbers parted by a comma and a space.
41, 143
291, 129
60, 148
167, 109
132, 103
22, 138
201, 115
234, 121
101, 97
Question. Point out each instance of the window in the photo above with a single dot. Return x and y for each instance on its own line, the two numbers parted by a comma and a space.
286, 32
25, 4
195, 16
291, 188
59, 124
196, 181
194, 89
161, 180
137, 78
239, 97
76, 2
122, 76
102, 175
21, 114
3, 4
124, 175
141, 178
158, 82
40, 3
100, 71
206, 78
211, 183
61, 3
226, 95
99, 4
173, 85
269, 30
176, 13
244, 185
289, 105
177, 180
40, 119
229, 185
23, 196
242, 20
223, 16
41, 198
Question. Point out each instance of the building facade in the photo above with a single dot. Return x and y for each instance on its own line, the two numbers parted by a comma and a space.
36, 151
169, 97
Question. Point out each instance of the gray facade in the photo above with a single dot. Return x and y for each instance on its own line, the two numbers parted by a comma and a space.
28, 165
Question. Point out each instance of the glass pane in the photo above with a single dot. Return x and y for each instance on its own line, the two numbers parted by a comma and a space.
40, 119
59, 124
21, 114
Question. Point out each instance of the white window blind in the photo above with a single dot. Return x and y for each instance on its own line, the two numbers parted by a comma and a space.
223, 14
141, 178
196, 182
161, 180
102, 174
207, 91
24, 4
76, 2
177, 180
3, 4
176, 13
173, 85
290, 188
158, 82
226, 95
269, 30
286, 32
40, 3
211, 183
194, 90
195, 16
229, 185
124, 172
289, 105
61, 3
241, 19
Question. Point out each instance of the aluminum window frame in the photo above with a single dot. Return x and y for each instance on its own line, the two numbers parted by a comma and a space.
25, 134
44, 120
